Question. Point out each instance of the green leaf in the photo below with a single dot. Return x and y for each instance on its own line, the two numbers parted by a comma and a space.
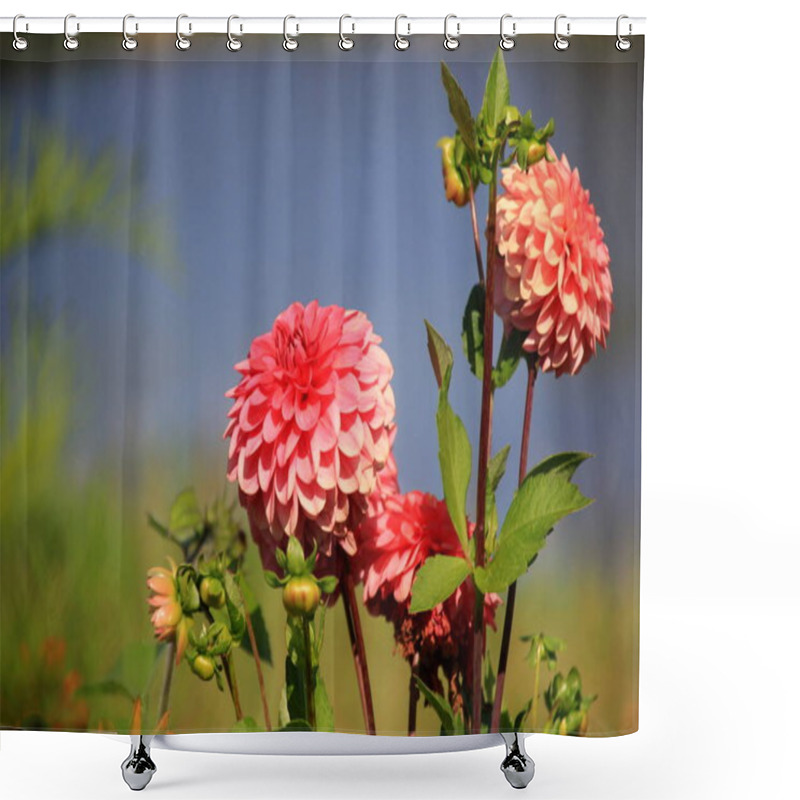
472, 329
440, 705
440, 353
497, 94
545, 496
296, 725
157, 526
322, 704
185, 513
436, 580
455, 463
508, 358
459, 108
494, 474
273, 581
238, 625
246, 725
328, 584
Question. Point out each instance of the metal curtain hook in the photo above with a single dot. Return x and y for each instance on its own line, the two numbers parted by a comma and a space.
290, 43
507, 42
345, 43
20, 42
623, 44
451, 42
234, 43
401, 42
128, 42
181, 41
561, 42
70, 41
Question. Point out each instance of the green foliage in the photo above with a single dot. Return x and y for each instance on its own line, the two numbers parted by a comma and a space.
436, 580
455, 451
567, 705
246, 725
472, 329
440, 353
543, 650
459, 108
545, 496
496, 95
452, 723
510, 352
494, 474
51, 185
257, 621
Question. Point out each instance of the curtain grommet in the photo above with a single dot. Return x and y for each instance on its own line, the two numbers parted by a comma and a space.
70, 42
401, 42
451, 41
234, 43
623, 44
561, 42
507, 41
20, 43
290, 43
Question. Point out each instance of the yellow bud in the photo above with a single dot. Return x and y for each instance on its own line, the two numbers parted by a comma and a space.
455, 188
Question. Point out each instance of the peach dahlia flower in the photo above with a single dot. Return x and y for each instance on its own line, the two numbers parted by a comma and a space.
393, 545
310, 426
167, 618
553, 280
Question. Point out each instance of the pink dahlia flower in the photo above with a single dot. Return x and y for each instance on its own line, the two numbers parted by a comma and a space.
310, 426
392, 546
552, 280
167, 618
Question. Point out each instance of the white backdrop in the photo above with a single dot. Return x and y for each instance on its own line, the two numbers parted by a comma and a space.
720, 534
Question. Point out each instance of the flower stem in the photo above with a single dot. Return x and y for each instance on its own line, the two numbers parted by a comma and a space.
309, 675
484, 450
257, 659
359, 651
413, 698
163, 703
476, 237
502, 663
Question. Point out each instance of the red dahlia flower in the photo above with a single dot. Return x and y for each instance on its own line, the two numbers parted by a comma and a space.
310, 426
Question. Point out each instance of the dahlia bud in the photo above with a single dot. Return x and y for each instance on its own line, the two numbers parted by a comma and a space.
301, 597
295, 558
187, 589
203, 667
455, 188
536, 152
218, 640
212, 592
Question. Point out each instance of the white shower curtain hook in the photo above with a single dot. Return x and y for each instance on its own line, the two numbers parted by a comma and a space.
451, 42
507, 42
182, 42
20, 42
401, 42
234, 43
561, 42
623, 44
290, 43
345, 43
70, 41
129, 42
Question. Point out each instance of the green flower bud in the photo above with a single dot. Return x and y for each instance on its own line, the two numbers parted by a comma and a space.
295, 558
219, 640
455, 189
187, 589
536, 152
301, 597
212, 592
203, 667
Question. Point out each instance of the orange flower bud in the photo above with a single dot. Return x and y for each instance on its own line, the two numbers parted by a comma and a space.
455, 189
301, 597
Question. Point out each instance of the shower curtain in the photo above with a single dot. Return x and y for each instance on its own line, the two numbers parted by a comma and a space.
320, 386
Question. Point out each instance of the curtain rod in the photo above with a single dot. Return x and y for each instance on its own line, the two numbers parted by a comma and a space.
296, 26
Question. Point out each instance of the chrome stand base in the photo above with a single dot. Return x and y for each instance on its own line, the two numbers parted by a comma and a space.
517, 766
138, 768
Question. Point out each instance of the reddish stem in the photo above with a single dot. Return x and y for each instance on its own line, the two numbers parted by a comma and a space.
359, 651
476, 237
254, 647
512, 590
484, 453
